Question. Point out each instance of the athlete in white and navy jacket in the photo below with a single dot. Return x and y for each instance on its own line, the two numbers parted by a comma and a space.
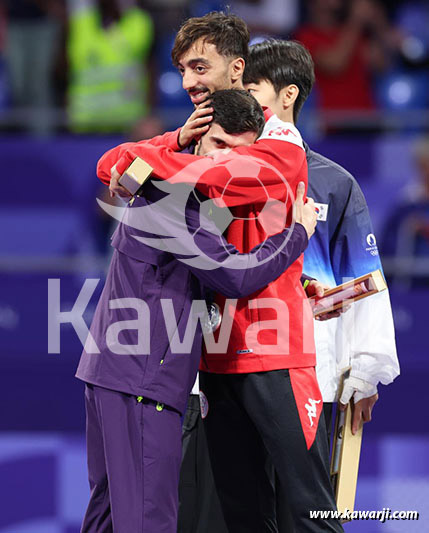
344, 247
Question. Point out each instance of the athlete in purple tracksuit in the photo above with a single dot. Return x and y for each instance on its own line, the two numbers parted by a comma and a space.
137, 387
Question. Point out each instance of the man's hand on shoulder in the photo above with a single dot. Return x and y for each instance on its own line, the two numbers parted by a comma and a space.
305, 214
196, 125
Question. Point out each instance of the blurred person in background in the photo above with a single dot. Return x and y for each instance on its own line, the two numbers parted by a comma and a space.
32, 35
167, 14
4, 85
349, 41
406, 233
146, 128
108, 45
268, 17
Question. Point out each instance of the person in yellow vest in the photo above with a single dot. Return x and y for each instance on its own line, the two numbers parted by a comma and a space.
107, 48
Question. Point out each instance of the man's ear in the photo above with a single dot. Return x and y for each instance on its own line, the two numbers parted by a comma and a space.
237, 69
198, 147
289, 95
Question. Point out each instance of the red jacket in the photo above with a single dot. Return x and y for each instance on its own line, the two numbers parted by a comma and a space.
282, 305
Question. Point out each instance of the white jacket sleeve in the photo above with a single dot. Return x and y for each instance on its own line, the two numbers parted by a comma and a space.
371, 339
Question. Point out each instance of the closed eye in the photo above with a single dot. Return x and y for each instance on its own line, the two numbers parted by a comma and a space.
219, 143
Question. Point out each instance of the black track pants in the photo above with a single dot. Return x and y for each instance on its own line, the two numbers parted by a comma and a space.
250, 417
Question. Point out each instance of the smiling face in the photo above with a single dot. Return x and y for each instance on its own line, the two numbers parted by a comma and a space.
217, 139
204, 71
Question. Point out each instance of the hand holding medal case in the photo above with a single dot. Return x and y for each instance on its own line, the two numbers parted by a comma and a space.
351, 291
135, 175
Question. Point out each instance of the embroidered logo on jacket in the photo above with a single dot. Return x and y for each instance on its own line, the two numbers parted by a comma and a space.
312, 409
281, 131
372, 244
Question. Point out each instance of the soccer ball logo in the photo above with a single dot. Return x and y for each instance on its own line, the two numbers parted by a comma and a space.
268, 214
217, 185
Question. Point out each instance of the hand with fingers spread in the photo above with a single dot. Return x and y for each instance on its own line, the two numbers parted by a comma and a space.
196, 125
115, 188
305, 214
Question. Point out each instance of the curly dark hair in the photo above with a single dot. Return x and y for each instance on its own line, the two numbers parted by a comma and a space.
227, 32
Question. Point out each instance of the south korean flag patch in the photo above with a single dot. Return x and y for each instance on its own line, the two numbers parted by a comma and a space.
322, 211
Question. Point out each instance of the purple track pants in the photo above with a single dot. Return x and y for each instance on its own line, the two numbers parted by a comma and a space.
134, 455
